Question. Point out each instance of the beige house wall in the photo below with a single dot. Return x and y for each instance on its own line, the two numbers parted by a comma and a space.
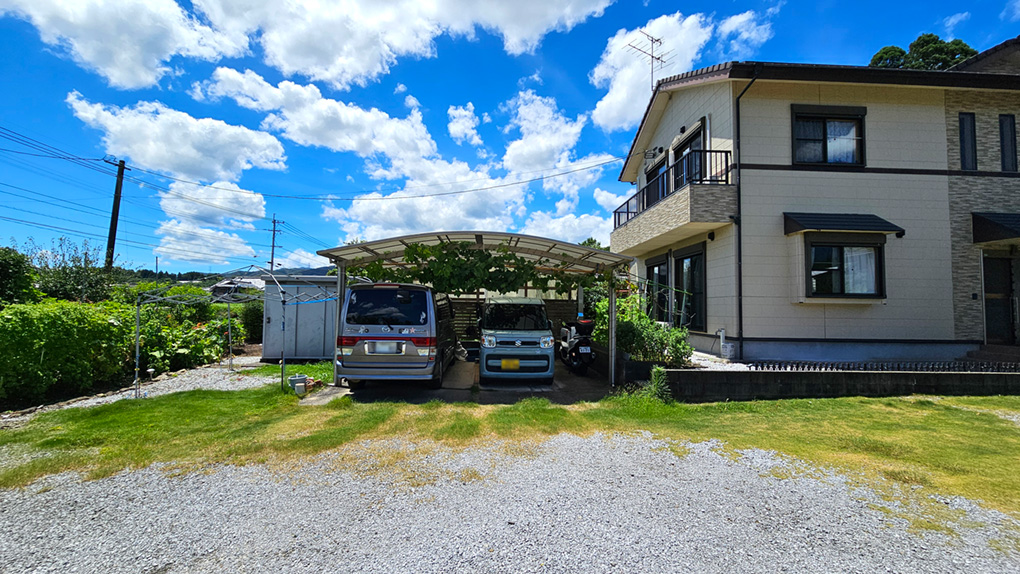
685, 108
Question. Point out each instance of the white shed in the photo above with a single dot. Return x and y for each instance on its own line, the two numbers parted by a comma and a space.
311, 311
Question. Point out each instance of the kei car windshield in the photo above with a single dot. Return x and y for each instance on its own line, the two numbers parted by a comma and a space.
515, 317
387, 307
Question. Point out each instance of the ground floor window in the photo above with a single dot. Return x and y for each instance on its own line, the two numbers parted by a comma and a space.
657, 289
845, 265
690, 288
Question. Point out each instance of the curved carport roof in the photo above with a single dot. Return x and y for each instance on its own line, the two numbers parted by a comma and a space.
391, 251
565, 255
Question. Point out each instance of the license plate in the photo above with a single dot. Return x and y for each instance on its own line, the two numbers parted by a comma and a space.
385, 348
584, 349
510, 364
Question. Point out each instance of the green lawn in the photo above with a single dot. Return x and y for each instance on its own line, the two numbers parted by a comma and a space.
954, 445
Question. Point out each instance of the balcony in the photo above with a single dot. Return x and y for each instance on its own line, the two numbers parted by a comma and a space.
693, 195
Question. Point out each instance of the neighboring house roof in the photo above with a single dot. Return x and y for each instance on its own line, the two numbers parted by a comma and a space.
975, 62
781, 71
240, 283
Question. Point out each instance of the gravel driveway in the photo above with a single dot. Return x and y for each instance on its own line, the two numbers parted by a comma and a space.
596, 504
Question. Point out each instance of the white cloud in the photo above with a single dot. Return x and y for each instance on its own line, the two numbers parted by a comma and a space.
128, 42
158, 138
953, 21
547, 143
353, 42
411, 102
626, 76
400, 89
303, 115
1011, 11
742, 34
463, 124
608, 200
188, 241
299, 258
223, 204
569, 227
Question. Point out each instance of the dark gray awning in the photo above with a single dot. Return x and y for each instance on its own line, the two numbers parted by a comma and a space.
853, 222
995, 226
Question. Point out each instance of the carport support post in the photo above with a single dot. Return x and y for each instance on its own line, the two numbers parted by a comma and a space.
612, 329
283, 347
341, 285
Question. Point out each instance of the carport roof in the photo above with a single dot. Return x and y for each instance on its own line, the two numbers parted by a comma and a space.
576, 258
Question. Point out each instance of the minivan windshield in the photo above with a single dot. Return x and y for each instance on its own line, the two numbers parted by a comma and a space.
387, 307
514, 317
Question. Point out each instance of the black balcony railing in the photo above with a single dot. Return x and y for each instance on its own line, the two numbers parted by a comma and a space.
701, 167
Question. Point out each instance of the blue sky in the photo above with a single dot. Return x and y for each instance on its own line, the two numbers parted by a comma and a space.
351, 119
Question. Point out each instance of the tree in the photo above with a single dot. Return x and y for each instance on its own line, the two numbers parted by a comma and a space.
70, 271
15, 278
593, 243
927, 52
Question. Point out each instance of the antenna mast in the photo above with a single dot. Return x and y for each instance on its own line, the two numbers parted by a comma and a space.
649, 53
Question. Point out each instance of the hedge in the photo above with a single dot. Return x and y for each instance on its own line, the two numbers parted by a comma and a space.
59, 349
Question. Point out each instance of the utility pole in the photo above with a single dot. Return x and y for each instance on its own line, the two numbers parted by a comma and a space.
157, 269
112, 239
272, 251
650, 54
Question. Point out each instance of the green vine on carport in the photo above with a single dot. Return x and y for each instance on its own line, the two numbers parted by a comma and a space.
465, 267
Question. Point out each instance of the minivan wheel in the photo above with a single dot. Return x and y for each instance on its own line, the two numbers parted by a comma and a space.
437, 380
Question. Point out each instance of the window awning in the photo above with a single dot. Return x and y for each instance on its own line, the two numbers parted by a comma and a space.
849, 222
995, 226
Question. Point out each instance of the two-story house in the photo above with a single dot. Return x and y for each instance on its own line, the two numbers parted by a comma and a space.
819, 212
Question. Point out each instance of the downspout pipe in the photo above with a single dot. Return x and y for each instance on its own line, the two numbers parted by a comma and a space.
736, 218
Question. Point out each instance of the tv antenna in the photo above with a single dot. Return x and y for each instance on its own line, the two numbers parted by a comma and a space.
654, 60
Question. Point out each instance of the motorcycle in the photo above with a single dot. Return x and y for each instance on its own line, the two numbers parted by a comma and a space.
575, 345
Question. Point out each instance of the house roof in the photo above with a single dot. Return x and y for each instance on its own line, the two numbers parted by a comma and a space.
780, 71
574, 258
854, 222
1011, 45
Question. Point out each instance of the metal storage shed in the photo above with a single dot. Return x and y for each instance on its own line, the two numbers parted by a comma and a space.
310, 316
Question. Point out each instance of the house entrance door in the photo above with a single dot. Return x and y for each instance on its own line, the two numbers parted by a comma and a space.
1000, 301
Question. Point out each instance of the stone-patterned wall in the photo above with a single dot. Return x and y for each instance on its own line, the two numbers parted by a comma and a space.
969, 193
693, 204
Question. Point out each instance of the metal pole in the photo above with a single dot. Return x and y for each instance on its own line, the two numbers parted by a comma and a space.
230, 337
138, 347
341, 287
612, 329
283, 338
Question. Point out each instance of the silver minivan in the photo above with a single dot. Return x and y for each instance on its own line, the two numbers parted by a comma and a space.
516, 340
391, 331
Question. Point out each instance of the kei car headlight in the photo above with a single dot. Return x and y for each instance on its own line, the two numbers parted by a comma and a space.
546, 342
489, 341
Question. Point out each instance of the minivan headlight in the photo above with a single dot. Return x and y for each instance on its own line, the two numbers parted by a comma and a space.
489, 341
546, 342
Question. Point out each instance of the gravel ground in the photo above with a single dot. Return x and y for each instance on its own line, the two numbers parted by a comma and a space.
597, 504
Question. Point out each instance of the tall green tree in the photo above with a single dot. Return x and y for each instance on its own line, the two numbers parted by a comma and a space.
927, 52
70, 271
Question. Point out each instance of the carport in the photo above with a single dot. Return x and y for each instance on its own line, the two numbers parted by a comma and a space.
564, 256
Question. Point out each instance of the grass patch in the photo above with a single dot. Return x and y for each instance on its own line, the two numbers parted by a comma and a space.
933, 442
322, 371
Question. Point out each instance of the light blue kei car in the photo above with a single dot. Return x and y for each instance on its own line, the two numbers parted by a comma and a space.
516, 340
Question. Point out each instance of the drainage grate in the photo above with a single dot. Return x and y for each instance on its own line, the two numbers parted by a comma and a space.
908, 366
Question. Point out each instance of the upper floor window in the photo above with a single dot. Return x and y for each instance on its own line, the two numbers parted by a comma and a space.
828, 134
968, 142
1007, 141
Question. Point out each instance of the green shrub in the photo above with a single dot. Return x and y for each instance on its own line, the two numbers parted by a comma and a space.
59, 349
15, 278
252, 318
167, 344
658, 387
184, 303
641, 337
